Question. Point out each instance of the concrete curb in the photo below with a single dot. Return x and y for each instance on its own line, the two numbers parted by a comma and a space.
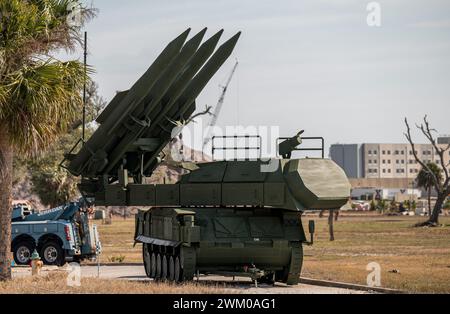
113, 264
335, 284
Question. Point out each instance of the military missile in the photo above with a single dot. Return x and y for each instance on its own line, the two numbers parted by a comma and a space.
207, 72
212, 66
153, 99
111, 107
174, 93
172, 96
168, 74
97, 140
199, 82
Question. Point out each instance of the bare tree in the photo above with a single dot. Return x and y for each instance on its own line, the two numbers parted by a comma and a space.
441, 186
331, 224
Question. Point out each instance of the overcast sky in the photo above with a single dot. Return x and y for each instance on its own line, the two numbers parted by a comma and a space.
313, 65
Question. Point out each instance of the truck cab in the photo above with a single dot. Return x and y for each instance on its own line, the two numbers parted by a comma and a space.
59, 235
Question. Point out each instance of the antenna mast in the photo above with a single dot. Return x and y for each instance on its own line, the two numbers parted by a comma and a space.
84, 88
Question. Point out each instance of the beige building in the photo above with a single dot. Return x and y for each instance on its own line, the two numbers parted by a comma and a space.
397, 160
386, 161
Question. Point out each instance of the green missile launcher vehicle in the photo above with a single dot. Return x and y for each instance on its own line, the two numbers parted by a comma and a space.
234, 218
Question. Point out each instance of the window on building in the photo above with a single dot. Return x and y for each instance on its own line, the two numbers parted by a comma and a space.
384, 152
384, 161
375, 161
402, 152
370, 161
403, 161
389, 161
397, 161
389, 170
396, 152
388, 152
375, 170
384, 170
370, 152
375, 152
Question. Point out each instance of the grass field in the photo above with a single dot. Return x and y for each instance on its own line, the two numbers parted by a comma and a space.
412, 259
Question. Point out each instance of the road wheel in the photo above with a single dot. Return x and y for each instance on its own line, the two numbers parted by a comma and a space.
158, 267
171, 269
52, 254
147, 259
153, 266
164, 267
178, 271
22, 252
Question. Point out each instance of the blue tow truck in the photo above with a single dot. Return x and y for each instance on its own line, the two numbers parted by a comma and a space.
62, 234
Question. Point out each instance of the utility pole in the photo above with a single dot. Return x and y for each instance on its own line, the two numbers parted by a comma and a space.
83, 136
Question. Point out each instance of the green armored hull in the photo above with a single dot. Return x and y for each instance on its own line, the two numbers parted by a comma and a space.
230, 217
264, 244
297, 185
234, 219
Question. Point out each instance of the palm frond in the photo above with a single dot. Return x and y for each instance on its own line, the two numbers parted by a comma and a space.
36, 27
40, 102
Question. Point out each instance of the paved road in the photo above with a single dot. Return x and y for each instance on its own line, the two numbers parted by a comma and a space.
240, 285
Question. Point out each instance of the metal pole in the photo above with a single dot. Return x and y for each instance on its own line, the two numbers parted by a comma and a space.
84, 87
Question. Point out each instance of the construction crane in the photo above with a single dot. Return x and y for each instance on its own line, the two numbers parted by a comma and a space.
218, 108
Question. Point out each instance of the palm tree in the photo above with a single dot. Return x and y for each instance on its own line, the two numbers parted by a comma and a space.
425, 180
39, 95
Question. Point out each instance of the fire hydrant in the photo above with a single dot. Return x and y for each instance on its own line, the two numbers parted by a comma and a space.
36, 263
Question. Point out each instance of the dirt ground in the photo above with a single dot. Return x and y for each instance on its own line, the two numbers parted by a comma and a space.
411, 259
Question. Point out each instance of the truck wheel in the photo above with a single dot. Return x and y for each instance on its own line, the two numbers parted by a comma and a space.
164, 267
52, 254
146, 258
171, 269
153, 266
22, 252
158, 267
177, 272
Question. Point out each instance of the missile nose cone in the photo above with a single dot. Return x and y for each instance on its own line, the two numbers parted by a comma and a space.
235, 38
195, 41
181, 38
217, 36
